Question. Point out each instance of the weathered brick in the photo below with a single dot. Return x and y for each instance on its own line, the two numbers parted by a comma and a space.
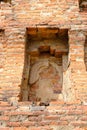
4, 104
67, 118
74, 112
77, 128
14, 124
52, 108
20, 128
44, 123
35, 128
33, 118
84, 118
40, 128
29, 123
14, 113
53, 117
84, 108
7, 108
79, 123
55, 103
59, 123
4, 118
5, 128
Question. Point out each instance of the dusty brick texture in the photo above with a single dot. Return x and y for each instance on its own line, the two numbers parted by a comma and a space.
19, 21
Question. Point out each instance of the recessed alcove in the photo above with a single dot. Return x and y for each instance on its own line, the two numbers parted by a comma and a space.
83, 5
46, 58
2, 31
5, 1
85, 53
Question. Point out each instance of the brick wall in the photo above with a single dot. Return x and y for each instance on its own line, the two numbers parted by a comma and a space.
70, 114
57, 116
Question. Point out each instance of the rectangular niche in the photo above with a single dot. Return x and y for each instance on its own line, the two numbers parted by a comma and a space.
5, 1
2, 31
45, 51
83, 5
2, 38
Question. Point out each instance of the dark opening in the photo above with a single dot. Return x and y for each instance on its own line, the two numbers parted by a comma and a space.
85, 53
2, 32
5, 1
83, 5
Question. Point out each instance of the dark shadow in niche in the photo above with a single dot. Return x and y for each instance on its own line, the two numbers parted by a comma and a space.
85, 53
2, 32
24, 87
45, 49
83, 5
9, 1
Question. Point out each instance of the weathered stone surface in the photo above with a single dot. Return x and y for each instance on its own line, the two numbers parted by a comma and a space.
47, 83
37, 108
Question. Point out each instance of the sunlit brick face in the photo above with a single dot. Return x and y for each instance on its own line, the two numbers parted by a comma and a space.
45, 50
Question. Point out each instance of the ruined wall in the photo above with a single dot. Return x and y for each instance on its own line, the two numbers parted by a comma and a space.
70, 111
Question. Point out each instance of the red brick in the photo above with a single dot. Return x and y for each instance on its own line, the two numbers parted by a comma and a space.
67, 118
84, 118
59, 123
4, 104
84, 109
14, 113
28, 123
84, 128
33, 118
44, 123
79, 123
14, 124
54, 117
7, 108
35, 128
5, 128
40, 128
74, 112
68, 107
55, 103
4, 118
20, 128
52, 108
37, 113
77, 128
